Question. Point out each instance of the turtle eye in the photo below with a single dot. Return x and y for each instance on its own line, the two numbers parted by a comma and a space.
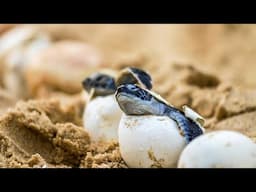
132, 87
105, 84
96, 84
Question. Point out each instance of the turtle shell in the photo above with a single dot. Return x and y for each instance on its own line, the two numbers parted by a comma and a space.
132, 75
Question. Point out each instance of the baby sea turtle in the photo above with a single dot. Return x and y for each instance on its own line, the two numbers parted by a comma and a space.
102, 84
134, 100
102, 114
99, 84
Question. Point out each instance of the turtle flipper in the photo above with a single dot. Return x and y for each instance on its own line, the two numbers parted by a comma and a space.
189, 128
192, 131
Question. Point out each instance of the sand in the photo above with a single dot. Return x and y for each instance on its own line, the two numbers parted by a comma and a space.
46, 130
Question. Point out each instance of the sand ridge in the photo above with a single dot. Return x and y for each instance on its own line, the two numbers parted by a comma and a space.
46, 130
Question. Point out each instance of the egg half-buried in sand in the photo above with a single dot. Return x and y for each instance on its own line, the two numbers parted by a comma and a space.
62, 67
102, 114
152, 133
17, 47
219, 149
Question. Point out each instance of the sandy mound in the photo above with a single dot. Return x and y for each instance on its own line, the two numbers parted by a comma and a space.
200, 66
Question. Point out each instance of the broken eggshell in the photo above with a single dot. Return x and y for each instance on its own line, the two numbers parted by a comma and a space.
16, 37
194, 116
17, 59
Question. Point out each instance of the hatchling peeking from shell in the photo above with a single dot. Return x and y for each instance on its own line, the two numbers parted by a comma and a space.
102, 113
151, 131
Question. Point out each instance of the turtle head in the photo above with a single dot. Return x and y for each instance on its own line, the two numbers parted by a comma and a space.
134, 100
132, 75
99, 84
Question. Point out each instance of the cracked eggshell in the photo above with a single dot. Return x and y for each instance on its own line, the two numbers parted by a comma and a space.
150, 141
16, 37
16, 64
194, 116
101, 118
12, 40
219, 149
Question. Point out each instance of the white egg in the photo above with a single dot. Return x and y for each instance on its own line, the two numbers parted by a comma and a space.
101, 118
62, 66
219, 149
15, 37
16, 64
150, 141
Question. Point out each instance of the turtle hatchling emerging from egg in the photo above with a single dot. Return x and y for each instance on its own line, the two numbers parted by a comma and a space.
101, 84
134, 100
151, 131
102, 113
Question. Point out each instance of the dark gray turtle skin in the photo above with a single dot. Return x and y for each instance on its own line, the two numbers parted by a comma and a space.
101, 83
144, 77
133, 100
132, 75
